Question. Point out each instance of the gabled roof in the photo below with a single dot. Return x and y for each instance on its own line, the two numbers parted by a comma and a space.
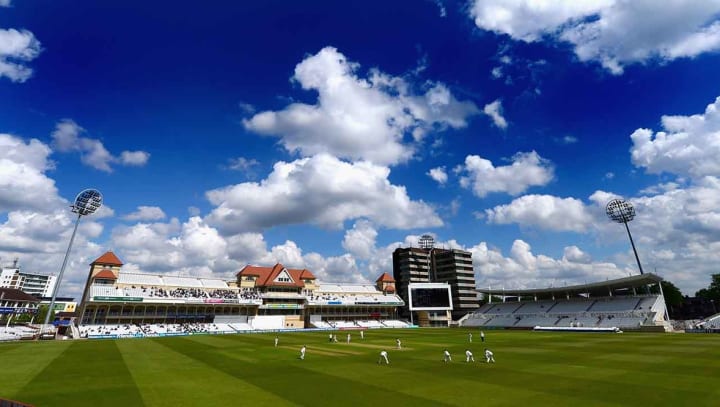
106, 274
385, 278
13, 294
266, 275
109, 259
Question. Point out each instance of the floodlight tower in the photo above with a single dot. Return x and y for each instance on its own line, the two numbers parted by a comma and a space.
86, 203
622, 211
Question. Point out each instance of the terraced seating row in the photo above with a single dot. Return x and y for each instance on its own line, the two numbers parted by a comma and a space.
622, 312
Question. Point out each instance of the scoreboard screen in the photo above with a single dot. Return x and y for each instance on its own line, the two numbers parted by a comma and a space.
430, 296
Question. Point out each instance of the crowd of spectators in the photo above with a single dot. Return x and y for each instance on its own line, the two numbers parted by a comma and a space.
159, 292
249, 294
150, 329
378, 298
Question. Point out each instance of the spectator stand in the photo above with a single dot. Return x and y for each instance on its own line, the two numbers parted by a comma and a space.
609, 304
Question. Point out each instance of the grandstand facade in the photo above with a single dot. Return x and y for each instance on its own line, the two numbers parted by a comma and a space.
115, 297
260, 298
624, 303
354, 305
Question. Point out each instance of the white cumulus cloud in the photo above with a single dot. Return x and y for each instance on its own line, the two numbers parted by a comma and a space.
67, 137
614, 33
359, 118
529, 20
321, 190
494, 111
23, 180
543, 211
242, 164
439, 175
688, 146
146, 213
192, 247
134, 158
524, 269
35, 221
526, 170
17, 47
360, 240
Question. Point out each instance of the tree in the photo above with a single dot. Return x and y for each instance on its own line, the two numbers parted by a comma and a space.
485, 299
713, 290
42, 312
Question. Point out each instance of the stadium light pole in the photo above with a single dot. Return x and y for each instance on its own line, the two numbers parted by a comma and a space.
622, 211
86, 203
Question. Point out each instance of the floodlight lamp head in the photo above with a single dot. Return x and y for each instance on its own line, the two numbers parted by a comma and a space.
87, 202
426, 242
620, 211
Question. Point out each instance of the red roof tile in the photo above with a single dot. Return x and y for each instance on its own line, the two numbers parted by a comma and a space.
385, 278
266, 275
106, 274
109, 258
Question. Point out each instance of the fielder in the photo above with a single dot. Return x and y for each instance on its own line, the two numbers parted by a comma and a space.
469, 356
489, 356
399, 344
276, 341
383, 357
302, 353
446, 356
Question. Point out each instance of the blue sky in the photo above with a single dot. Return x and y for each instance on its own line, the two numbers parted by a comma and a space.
325, 134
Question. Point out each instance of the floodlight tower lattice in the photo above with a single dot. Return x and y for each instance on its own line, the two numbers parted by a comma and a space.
86, 203
622, 211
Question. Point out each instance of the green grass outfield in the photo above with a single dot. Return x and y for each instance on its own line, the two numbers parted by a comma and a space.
532, 369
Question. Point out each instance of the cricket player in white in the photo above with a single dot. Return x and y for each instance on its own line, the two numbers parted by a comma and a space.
489, 356
276, 341
362, 334
469, 356
383, 356
348, 338
302, 353
482, 336
399, 344
470, 337
446, 356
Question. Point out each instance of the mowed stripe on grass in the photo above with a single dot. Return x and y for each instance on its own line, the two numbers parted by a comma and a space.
20, 362
87, 373
288, 378
532, 369
165, 377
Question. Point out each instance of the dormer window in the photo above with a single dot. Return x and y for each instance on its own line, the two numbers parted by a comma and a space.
284, 277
